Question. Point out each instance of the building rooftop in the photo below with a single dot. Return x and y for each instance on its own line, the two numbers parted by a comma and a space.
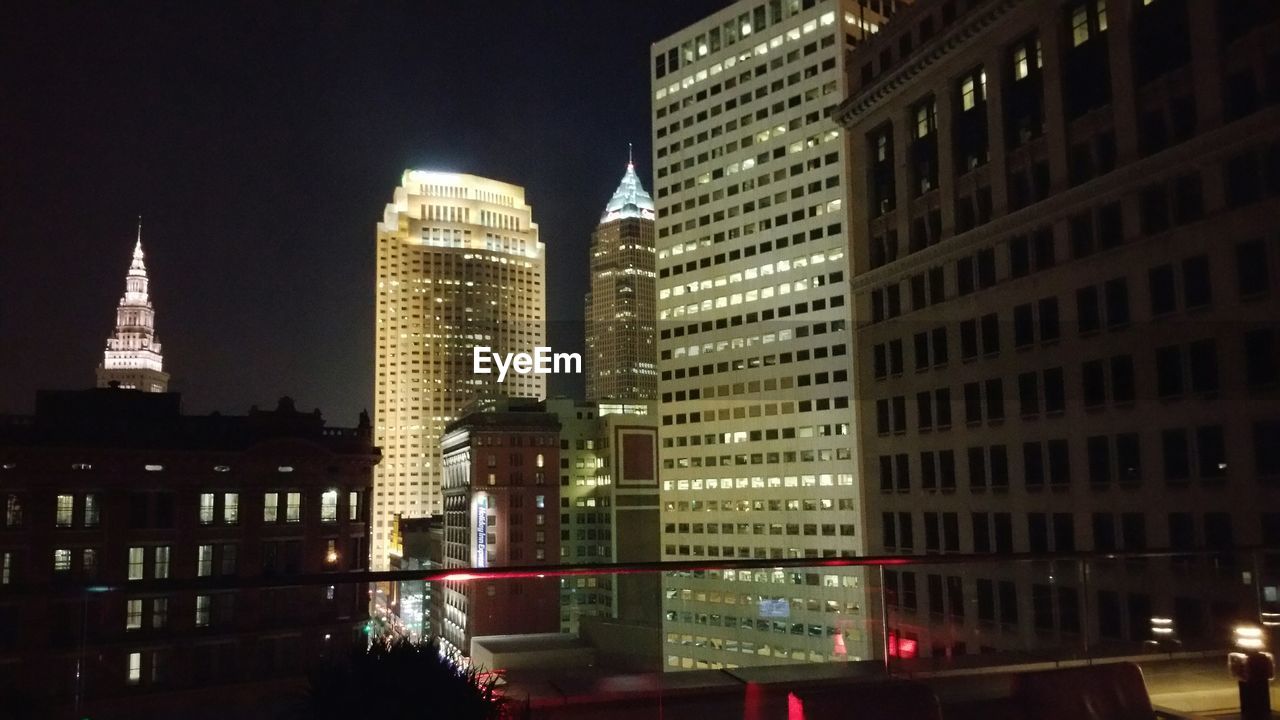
630, 199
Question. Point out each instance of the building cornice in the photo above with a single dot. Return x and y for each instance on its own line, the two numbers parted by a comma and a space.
854, 109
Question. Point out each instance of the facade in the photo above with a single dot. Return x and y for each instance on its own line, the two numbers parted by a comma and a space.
500, 510
1066, 316
417, 545
621, 330
460, 265
753, 237
608, 508
117, 508
132, 358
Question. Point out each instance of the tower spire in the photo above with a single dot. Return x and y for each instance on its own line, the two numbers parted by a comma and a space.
630, 161
132, 358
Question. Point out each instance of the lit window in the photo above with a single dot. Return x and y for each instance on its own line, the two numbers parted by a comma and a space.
134, 673
91, 510
136, 560
13, 511
1020, 66
62, 560
271, 507
133, 615
353, 505
202, 610
89, 561
540, 501
161, 564
293, 508
231, 508
159, 612
204, 561
539, 460
66, 506
1079, 25
206, 508
6, 568
329, 506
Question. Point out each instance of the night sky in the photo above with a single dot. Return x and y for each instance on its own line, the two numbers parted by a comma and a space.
260, 144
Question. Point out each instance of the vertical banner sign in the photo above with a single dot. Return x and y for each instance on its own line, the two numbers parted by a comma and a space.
482, 533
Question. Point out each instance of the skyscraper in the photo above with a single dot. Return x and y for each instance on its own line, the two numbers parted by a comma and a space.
459, 265
621, 358
757, 428
132, 357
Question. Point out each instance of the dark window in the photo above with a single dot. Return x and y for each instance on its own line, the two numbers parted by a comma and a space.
1211, 450
1104, 532
940, 346
982, 532
1087, 310
1054, 391
1176, 465
1019, 256
942, 406
1128, 457
1164, 298
1049, 319
1169, 371
1196, 284
1266, 448
1028, 394
1033, 464
1117, 292
1260, 357
972, 402
968, 339
995, 399
1189, 201
1023, 326
977, 468
1095, 383
1204, 365
990, 334
1099, 451
1059, 463
1252, 273
1122, 379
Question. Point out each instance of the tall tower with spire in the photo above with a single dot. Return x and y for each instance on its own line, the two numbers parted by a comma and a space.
132, 357
621, 342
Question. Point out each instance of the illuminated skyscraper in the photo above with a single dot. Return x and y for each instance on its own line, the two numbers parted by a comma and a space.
459, 266
132, 357
620, 332
757, 417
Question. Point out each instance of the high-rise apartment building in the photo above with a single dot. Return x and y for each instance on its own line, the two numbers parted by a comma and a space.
460, 266
1066, 316
132, 359
757, 426
621, 329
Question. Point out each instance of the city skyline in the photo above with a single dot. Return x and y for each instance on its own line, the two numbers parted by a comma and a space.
258, 193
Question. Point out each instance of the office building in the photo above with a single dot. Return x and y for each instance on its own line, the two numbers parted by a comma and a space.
621, 332
1066, 315
135, 543
753, 236
132, 358
460, 266
608, 508
500, 509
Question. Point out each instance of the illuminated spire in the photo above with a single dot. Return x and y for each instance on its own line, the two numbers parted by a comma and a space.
132, 357
629, 200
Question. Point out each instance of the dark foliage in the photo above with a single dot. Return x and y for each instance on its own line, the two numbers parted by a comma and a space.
401, 679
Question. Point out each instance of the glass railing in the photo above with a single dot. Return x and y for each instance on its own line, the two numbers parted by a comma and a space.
556, 641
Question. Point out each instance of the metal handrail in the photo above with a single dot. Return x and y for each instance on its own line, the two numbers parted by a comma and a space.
72, 588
